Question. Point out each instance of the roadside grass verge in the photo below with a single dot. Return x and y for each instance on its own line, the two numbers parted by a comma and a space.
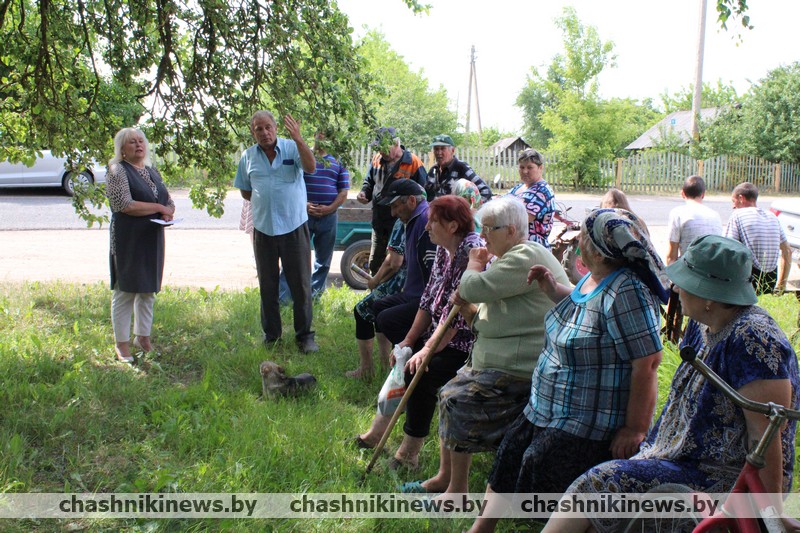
189, 418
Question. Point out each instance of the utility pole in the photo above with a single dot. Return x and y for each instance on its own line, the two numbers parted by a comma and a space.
473, 82
698, 73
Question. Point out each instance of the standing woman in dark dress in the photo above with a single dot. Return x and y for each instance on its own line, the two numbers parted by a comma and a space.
136, 195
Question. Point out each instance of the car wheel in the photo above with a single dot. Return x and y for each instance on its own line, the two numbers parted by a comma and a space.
356, 254
70, 179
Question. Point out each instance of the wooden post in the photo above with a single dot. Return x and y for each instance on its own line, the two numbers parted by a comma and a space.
618, 174
700, 167
777, 170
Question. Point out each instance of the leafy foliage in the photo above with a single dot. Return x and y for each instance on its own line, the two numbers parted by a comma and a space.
402, 97
565, 110
73, 72
720, 95
765, 124
771, 115
731, 10
487, 137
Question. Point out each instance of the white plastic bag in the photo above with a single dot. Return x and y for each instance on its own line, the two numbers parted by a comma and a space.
395, 385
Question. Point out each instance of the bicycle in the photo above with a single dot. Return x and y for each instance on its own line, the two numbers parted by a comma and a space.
735, 514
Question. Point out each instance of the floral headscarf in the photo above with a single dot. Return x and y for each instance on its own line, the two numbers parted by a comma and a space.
619, 234
469, 191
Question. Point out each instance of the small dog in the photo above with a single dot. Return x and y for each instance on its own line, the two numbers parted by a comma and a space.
275, 382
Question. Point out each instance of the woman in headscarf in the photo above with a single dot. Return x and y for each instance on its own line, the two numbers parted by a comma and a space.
594, 387
701, 439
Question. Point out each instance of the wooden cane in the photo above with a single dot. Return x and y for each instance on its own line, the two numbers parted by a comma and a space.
436, 338
360, 271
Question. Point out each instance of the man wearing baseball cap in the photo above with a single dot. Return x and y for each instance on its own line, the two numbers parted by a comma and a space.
394, 314
391, 162
448, 170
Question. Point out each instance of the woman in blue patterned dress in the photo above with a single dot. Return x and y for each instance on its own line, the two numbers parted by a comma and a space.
536, 194
450, 226
701, 438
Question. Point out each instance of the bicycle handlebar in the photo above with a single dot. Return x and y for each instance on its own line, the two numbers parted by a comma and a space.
689, 355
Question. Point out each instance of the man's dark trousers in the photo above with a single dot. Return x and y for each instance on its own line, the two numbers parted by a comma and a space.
293, 251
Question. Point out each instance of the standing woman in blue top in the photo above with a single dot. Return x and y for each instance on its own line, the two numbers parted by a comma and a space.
136, 195
536, 194
270, 175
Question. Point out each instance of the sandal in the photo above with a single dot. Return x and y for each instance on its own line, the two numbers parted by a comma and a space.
124, 358
412, 487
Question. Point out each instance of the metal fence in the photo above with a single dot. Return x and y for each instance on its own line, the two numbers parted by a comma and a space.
648, 172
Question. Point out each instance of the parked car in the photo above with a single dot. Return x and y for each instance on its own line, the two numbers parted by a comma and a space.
48, 171
788, 212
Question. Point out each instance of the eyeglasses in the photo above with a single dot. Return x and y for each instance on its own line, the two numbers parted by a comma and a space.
487, 229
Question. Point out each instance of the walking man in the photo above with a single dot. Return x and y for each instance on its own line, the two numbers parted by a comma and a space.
448, 170
270, 175
760, 231
391, 162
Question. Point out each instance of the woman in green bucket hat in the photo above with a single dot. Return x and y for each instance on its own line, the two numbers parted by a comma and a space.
701, 438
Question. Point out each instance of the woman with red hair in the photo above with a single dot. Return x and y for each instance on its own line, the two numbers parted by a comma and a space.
451, 228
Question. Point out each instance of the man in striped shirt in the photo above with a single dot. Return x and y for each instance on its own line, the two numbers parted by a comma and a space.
760, 231
326, 191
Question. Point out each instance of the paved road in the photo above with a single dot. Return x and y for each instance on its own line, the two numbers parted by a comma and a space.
42, 239
26, 209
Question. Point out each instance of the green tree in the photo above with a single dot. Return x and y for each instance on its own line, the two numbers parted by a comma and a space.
582, 127
402, 98
487, 137
770, 116
720, 95
73, 72
533, 99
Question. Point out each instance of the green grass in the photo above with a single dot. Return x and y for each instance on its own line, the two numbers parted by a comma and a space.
189, 418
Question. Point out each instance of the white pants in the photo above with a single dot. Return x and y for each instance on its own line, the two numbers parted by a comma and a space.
125, 304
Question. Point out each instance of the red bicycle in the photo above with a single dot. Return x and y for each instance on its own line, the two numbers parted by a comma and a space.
747, 509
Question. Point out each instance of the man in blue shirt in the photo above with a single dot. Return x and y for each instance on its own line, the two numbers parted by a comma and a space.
270, 175
327, 190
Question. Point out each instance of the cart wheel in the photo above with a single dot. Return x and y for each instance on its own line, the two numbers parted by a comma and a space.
356, 254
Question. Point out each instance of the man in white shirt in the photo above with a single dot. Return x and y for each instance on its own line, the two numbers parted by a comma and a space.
760, 231
691, 220
686, 223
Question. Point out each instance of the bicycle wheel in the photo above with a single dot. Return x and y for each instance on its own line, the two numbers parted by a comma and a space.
654, 524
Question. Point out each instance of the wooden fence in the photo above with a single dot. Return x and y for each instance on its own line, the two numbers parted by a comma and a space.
643, 173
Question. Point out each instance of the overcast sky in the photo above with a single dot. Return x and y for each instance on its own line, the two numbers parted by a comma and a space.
655, 44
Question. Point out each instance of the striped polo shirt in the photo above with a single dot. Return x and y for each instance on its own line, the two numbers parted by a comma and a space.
325, 183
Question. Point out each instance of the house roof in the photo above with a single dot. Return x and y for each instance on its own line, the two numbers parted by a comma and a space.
503, 144
679, 123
